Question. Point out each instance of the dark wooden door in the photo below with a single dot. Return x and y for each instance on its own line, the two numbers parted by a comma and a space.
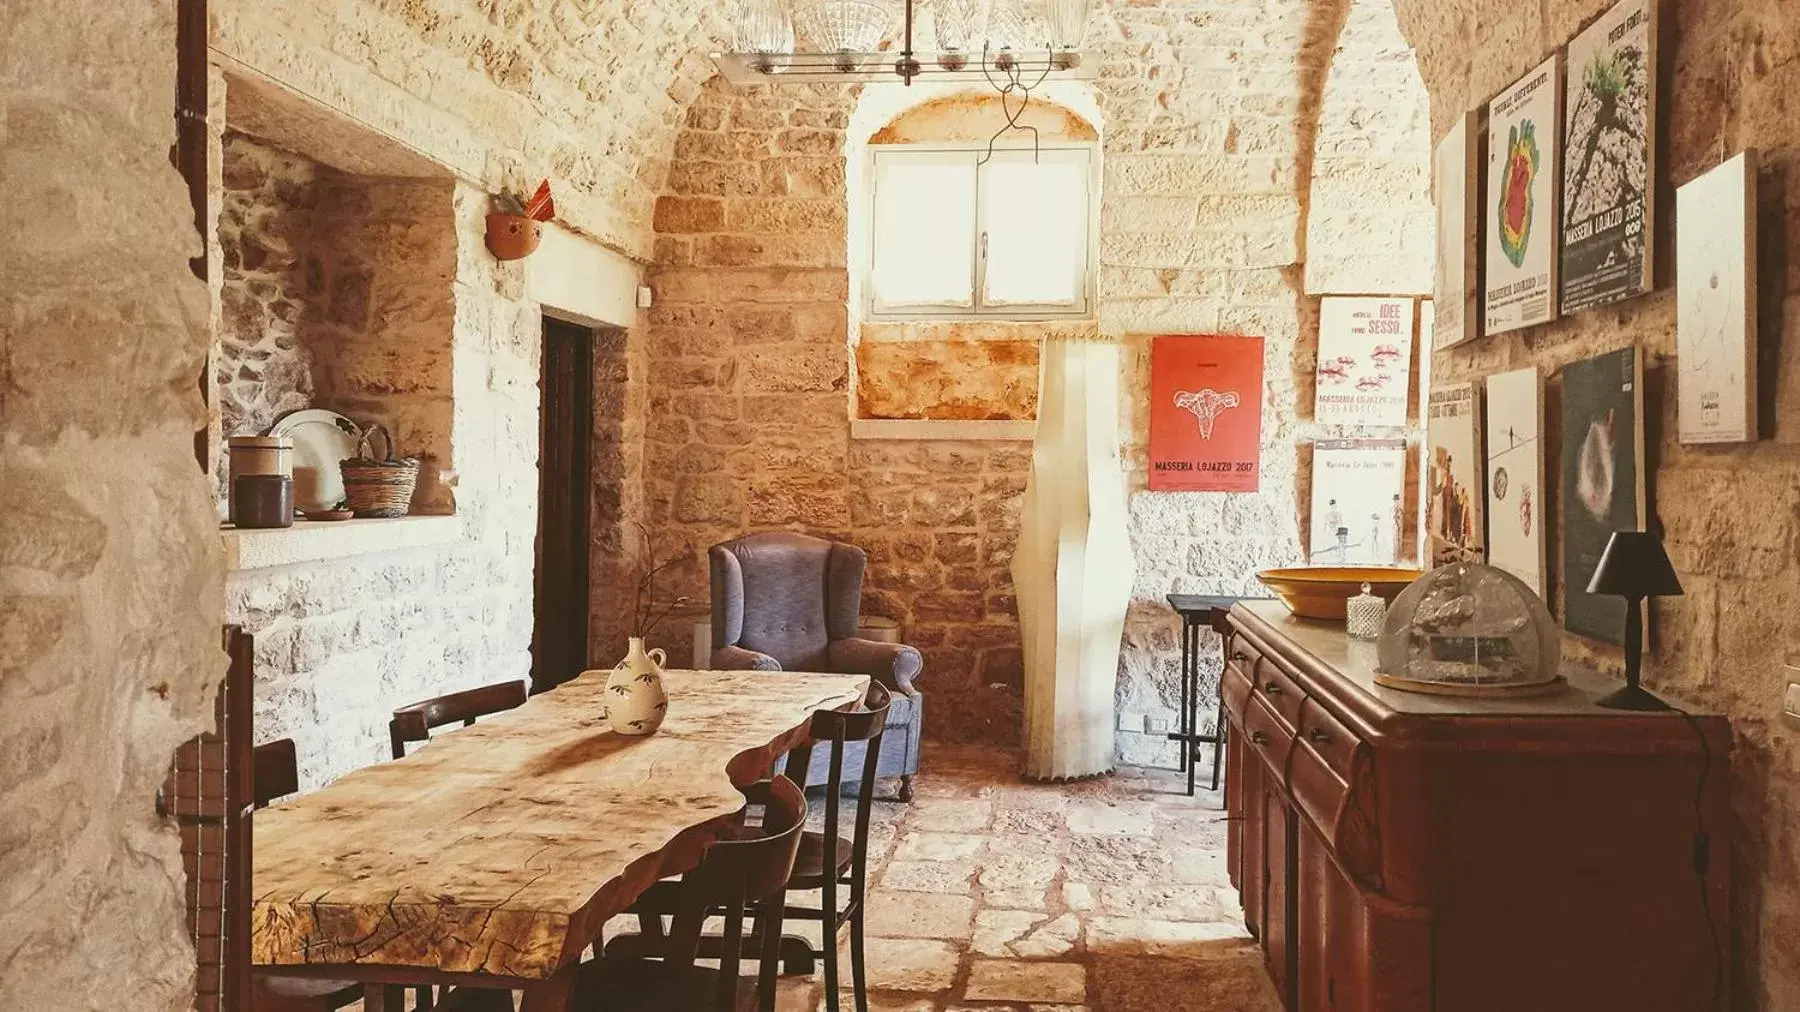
559, 637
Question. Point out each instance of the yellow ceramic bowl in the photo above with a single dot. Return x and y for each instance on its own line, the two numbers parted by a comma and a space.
1320, 591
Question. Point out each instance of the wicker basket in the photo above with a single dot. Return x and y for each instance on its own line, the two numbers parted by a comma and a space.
378, 487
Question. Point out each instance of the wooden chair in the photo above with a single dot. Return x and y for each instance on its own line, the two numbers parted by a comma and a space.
747, 869
826, 861
275, 774
416, 722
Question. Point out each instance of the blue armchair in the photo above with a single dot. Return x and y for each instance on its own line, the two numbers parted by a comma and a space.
789, 602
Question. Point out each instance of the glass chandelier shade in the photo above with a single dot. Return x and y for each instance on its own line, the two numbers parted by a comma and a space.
1067, 22
845, 27
959, 25
1017, 25
764, 32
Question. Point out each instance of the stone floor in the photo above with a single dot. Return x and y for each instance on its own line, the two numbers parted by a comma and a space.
1106, 896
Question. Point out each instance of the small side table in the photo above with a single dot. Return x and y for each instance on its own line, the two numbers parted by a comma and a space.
1198, 611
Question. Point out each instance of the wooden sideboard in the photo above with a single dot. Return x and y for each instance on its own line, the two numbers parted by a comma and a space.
1398, 852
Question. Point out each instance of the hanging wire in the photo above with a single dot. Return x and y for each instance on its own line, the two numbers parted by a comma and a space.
1014, 82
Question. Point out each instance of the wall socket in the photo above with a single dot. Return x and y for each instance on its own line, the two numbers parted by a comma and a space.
1156, 723
1790, 700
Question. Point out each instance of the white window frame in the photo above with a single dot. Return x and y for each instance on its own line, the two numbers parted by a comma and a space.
963, 154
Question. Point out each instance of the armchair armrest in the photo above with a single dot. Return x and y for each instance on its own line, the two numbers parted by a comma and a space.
894, 664
739, 659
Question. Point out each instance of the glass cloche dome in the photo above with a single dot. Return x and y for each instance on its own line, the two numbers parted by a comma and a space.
1469, 629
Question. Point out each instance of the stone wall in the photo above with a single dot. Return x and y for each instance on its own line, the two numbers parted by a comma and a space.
1726, 512
340, 644
263, 366
1209, 120
109, 563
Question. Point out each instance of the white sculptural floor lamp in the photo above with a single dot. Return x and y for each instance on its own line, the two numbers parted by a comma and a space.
1072, 570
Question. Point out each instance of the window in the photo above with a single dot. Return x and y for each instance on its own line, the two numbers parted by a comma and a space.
953, 237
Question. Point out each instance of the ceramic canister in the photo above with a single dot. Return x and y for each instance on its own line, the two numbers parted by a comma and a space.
255, 455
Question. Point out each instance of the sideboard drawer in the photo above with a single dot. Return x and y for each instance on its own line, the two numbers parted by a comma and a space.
1234, 688
1280, 691
1327, 736
1268, 735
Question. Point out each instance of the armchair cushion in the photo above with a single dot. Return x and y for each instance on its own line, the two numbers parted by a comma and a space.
739, 659
894, 664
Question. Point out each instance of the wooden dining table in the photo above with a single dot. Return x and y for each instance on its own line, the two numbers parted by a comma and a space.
492, 856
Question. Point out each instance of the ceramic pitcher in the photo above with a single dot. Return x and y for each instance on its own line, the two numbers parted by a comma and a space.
635, 700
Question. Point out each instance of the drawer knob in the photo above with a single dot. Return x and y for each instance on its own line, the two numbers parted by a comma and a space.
1239, 655
1272, 688
1318, 736
1259, 738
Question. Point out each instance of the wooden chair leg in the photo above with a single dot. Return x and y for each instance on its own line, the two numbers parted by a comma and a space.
554, 995
859, 970
383, 998
828, 938
770, 958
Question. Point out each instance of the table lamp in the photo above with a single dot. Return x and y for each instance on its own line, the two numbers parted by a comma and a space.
1634, 567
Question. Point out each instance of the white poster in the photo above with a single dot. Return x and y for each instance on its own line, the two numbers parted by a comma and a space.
1515, 475
1357, 512
1453, 513
1365, 361
1523, 140
1715, 300
1454, 189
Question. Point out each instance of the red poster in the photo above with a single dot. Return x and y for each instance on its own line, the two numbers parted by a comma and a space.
1206, 414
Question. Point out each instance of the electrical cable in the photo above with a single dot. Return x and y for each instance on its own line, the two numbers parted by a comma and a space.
1703, 856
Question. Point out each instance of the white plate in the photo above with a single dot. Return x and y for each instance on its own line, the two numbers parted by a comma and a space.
321, 439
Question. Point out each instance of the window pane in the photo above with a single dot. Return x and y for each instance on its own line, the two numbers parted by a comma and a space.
924, 233
1036, 218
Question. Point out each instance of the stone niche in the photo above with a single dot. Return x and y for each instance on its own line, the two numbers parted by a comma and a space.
336, 291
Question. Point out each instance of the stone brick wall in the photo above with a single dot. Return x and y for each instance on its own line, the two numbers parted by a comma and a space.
339, 644
109, 563
1726, 512
1209, 121
263, 367
588, 93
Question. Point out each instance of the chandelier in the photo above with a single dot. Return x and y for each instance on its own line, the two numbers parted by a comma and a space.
1012, 44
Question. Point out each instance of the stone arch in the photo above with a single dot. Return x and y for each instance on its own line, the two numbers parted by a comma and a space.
1369, 222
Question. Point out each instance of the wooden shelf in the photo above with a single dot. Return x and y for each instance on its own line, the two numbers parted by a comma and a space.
315, 541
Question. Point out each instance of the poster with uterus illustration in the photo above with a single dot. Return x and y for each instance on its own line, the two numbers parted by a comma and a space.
1365, 361
1206, 413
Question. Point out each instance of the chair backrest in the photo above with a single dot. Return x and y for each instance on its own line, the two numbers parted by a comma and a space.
274, 772
785, 595
748, 864
415, 722
839, 727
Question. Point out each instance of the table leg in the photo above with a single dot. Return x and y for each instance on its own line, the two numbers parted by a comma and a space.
554, 995
383, 998
1191, 711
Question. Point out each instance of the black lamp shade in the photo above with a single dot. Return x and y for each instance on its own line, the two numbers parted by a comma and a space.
1635, 566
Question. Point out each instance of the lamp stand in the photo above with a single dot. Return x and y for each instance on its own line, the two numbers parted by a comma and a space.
1633, 696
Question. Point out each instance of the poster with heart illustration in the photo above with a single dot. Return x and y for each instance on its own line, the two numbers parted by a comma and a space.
1206, 413
1520, 217
1602, 481
1365, 361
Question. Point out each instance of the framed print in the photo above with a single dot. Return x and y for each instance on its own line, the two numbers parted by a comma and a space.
1715, 304
1453, 525
1357, 513
1602, 481
1365, 361
1456, 190
1609, 159
1205, 413
1515, 475
1520, 289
